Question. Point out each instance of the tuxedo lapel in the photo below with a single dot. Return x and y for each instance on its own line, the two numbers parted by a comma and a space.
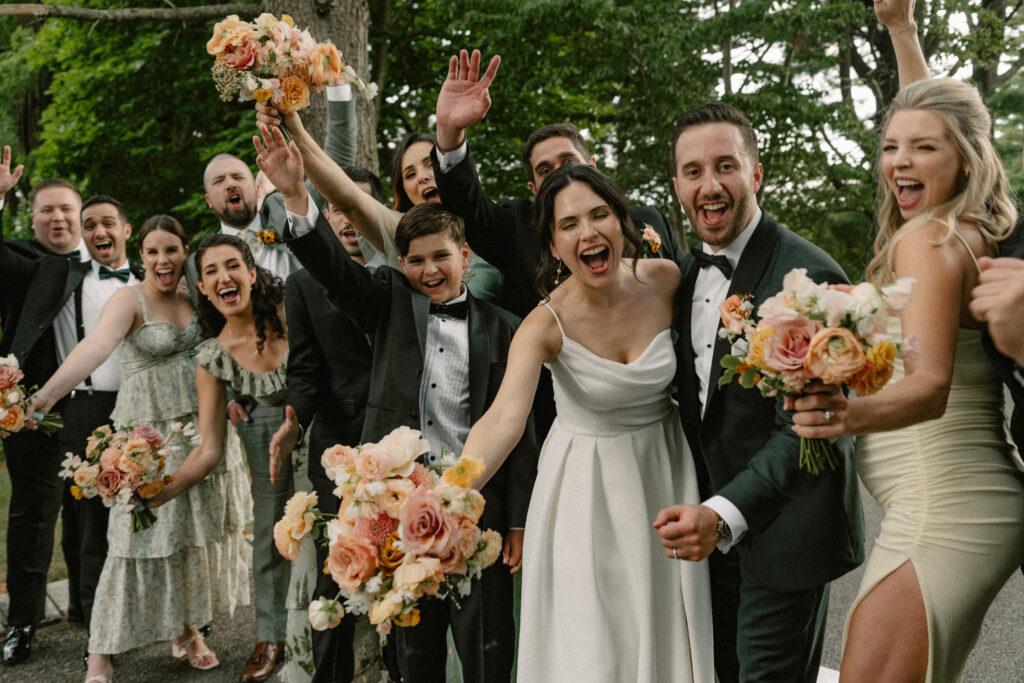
420, 313
745, 279
479, 360
689, 396
75, 275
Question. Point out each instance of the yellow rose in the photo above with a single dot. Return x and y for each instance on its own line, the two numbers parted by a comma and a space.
878, 369
390, 556
384, 609
287, 19
755, 350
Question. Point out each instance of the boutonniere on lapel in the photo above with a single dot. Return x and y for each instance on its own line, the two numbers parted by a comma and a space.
835, 334
268, 236
650, 242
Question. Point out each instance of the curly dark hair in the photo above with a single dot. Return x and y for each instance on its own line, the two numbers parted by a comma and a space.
544, 218
266, 297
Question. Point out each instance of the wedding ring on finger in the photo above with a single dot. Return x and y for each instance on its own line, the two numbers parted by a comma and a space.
674, 553
828, 417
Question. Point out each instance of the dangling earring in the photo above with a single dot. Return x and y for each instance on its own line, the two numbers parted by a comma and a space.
558, 273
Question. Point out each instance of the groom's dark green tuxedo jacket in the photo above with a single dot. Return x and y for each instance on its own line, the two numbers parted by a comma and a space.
805, 530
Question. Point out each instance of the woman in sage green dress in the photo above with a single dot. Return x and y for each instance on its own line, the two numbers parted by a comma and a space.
246, 348
160, 582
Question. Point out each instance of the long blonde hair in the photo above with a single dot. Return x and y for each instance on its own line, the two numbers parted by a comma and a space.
982, 196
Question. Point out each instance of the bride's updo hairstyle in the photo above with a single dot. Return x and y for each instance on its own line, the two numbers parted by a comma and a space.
544, 218
982, 195
266, 296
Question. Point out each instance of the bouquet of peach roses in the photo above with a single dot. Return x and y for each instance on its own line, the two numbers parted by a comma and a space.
124, 469
403, 531
811, 331
270, 59
14, 401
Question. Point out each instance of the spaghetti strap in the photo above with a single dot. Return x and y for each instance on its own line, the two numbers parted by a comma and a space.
142, 304
963, 241
560, 328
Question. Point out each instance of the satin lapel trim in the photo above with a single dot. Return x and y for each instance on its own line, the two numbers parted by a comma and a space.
479, 360
420, 313
687, 375
76, 273
748, 275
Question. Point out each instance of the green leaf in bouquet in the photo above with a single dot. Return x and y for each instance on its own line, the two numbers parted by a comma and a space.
749, 378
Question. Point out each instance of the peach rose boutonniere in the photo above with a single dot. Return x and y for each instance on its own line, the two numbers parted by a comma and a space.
811, 331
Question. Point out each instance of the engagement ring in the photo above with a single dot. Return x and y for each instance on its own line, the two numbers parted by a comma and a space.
828, 417
674, 553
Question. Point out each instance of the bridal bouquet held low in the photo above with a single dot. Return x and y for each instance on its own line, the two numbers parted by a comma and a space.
124, 468
14, 402
809, 331
270, 59
403, 531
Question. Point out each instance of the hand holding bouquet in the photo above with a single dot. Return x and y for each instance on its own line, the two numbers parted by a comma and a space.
270, 59
810, 331
403, 531
123, 468
14, 403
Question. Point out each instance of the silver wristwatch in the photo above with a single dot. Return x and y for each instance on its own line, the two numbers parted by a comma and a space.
723, 529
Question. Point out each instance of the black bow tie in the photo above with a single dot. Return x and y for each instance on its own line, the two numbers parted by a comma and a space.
455, 310
121, 274
72, 255
717, 260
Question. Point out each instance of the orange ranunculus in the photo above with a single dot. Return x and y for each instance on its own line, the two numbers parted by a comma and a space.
231, 31
324, 65
14, 420
735, 312
147, 491
410, 618
877, 371
76, 492
834, 355
390, 556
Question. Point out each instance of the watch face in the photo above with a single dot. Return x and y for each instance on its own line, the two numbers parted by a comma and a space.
723, 529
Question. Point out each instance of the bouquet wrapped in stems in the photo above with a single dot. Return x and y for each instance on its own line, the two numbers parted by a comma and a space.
403, 532
809, 331
14, 402
124, 468
270, 59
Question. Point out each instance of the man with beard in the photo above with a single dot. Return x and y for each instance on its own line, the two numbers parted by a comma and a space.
781, 534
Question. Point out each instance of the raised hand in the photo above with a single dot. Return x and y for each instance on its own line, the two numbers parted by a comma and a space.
283, 442
464, 98
8, 178
269, 116
895, 14
282, 164
997, 301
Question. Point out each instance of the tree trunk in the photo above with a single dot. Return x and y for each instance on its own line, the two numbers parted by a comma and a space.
345, 23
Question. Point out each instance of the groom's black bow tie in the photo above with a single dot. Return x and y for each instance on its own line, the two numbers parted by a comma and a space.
717, 260
121, 274
455, 310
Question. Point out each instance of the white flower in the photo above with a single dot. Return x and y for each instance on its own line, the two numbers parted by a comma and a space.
325, 614
376, 488
358, 602
374, 583
9, 361
13, 396
796, 280
897, 294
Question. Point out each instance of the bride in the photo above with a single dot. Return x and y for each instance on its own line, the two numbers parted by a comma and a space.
601, 602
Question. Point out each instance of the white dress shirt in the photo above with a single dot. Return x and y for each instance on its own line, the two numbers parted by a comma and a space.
444, 389
709, 291
95, 293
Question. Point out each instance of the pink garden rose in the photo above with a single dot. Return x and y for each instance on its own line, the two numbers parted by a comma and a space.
425, 528
454, 562
110, 457
109, 482
786, 349
351, 560
337, 459
151, 436
242, 56
10, 377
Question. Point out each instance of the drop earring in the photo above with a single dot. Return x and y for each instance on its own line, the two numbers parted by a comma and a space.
558, 272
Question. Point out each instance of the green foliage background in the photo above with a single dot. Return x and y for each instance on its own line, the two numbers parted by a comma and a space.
129, 109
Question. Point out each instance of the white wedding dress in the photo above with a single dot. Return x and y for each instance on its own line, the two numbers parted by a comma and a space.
601, 601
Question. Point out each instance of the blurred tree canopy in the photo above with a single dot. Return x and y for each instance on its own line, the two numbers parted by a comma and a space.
129, 109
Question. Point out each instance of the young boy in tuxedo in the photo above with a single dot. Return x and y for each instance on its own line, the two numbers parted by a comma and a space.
439, 357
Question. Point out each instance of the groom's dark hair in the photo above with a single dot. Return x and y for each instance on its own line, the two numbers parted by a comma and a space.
555, 130
716, 112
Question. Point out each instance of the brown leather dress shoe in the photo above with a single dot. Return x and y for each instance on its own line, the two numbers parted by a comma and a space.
262, 661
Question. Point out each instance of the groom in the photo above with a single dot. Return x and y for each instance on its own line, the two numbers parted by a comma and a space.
781, 534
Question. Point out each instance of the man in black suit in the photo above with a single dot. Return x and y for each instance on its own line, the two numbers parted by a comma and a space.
502, 232
781, 534
55, 299
439, 357
329, 380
